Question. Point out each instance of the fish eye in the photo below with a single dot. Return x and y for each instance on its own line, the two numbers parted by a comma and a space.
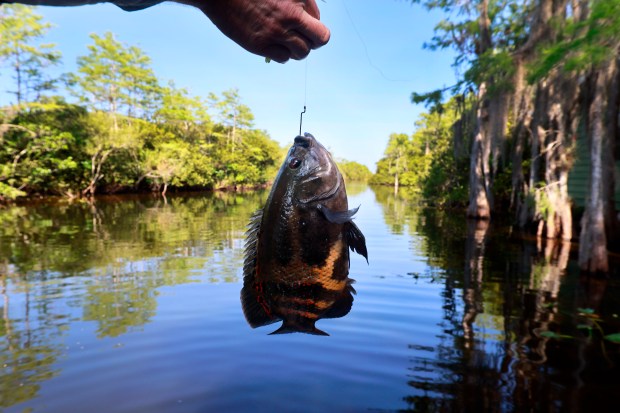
294, 163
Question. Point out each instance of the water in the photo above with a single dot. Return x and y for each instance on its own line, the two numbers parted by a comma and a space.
132, 305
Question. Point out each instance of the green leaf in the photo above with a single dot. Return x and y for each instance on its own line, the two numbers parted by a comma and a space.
552, 334
585, 310
614, 338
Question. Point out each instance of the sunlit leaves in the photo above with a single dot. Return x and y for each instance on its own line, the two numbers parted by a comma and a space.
426, 160
582, 44
20, 27
135, 134
354, 171
115, 77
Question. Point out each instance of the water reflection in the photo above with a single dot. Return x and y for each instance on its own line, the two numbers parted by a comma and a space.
457, 316
521, 330
103, 262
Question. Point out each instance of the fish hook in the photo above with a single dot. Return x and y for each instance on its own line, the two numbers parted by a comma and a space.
301, 117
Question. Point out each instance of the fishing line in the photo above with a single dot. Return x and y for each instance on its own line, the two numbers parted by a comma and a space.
301, 115
370, 62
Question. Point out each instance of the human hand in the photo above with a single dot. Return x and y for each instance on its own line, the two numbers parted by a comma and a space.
276, 29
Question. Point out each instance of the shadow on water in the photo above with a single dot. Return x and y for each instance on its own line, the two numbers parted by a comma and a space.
522, 330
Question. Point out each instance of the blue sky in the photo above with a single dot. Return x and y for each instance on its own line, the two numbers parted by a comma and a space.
356, 88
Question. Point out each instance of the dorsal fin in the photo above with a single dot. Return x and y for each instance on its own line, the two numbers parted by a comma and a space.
253, 304
251, 245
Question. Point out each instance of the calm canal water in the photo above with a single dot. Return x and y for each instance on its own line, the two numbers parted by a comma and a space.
132, 305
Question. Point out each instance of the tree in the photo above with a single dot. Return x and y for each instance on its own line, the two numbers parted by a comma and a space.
588, 46
165, 163
232, 114
397, 147
482, 34
434, 163
182, 112
114, 78
354, 171
106, 138
555, 62
20, 27
41, 151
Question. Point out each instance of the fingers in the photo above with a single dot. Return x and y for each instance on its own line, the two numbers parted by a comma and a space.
277, 29
312, 9
295, 46
316, 32
306, 34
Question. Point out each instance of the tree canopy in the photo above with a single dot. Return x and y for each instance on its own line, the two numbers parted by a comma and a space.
113, 125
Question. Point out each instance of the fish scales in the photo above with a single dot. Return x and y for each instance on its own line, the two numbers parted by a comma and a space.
297, 249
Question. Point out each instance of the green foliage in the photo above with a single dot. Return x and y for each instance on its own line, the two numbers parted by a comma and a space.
425, 161
614, 338
10, 193
582, 44
39, 148
354, 171
484, 53
115, 78
131, 133
492, 64
20, 27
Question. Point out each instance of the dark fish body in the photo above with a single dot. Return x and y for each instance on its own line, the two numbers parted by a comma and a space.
297, 251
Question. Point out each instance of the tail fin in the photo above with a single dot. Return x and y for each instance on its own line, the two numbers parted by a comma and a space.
291, 328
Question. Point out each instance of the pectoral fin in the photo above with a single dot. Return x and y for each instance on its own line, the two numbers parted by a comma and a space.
355, 238
337, 217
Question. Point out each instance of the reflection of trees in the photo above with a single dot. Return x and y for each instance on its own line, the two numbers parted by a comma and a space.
398, 211
70, 238
30, 333
123, 249
514, 336
472, 280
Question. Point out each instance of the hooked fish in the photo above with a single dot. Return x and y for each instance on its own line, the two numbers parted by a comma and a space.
297, 249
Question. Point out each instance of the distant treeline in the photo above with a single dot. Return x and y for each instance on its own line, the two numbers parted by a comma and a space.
122, 130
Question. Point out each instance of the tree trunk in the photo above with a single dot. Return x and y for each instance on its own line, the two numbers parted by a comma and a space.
395, 184
498, 119
562, 92
479, 205
593, 240
609, 152
522, 114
